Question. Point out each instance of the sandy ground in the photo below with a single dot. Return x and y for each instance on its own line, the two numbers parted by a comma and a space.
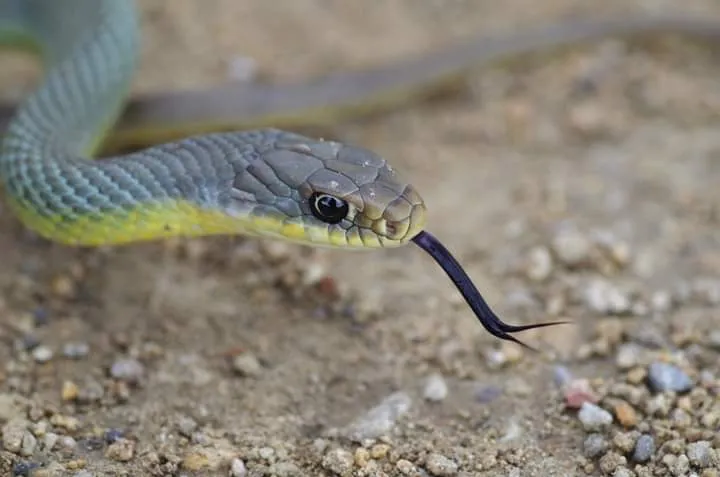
582, 186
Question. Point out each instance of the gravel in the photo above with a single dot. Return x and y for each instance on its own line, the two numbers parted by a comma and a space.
594, 417
667, 377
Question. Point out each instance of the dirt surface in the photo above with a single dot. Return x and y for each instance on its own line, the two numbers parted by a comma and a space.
579, 187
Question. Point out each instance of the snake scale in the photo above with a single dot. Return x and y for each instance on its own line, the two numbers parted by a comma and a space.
263, 182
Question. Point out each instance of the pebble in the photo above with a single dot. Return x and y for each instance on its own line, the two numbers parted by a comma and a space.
237, 468
593, 417
247, 364
435, 389
604, 298
186, 425
623, 472
578, 392
42, 354
644, 449
702, 455
626, 414
595, 445
380, 419
539, 264
67, 442
571, 247
76, 350
69, 391
628, 356
625, 441
12, 434
127, 369
667, 377
49, 441
610, 462
405, 467
112, 435
122, 450
29, 443
440, 466
24, 469
338, 461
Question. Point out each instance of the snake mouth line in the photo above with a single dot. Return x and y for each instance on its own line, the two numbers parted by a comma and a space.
490, 321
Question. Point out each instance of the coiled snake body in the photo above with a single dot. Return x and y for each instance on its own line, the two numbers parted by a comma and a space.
262, 182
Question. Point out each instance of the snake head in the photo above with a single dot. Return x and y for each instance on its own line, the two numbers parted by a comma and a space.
326, 193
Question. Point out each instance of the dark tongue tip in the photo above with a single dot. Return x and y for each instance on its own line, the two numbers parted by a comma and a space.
490, 321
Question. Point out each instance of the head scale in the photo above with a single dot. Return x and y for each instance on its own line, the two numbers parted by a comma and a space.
325, 193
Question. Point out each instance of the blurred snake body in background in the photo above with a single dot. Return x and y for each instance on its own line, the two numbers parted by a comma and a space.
260, 182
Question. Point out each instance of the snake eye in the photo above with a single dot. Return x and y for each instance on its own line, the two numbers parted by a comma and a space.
328, 208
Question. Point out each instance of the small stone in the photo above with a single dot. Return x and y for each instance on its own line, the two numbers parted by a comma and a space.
247, 364
681, 466
237, 468
69, 391
571, 247
129, 369
610, 462
644, 449
63, 286
186, 425
380, 419
338, 461
76, 350
12, 434
577, 393
113, 435
624, 441
49, 441
267, 453
67, 443
405, 467
701, 454
66, 422
623, 472
626, 414
122, 450
42, 354
379, 451
594, 446
667, 377
25, 469
539, 264
594, 417
362, 457
29, 443
440, 466
435, 389
604, 298
628, 356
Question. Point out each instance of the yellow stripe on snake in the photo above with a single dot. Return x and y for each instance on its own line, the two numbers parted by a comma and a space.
261, 182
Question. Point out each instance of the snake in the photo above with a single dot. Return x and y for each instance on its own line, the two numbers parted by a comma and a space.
222, 161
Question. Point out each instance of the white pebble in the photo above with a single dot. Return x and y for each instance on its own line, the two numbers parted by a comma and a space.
435, 388
440, 466
380, 419
594, 417
237, 468
42, 354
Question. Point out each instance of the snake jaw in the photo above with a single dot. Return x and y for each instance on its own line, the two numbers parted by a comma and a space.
490, 321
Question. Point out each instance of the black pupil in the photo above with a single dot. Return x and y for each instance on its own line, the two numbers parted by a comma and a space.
328, 208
